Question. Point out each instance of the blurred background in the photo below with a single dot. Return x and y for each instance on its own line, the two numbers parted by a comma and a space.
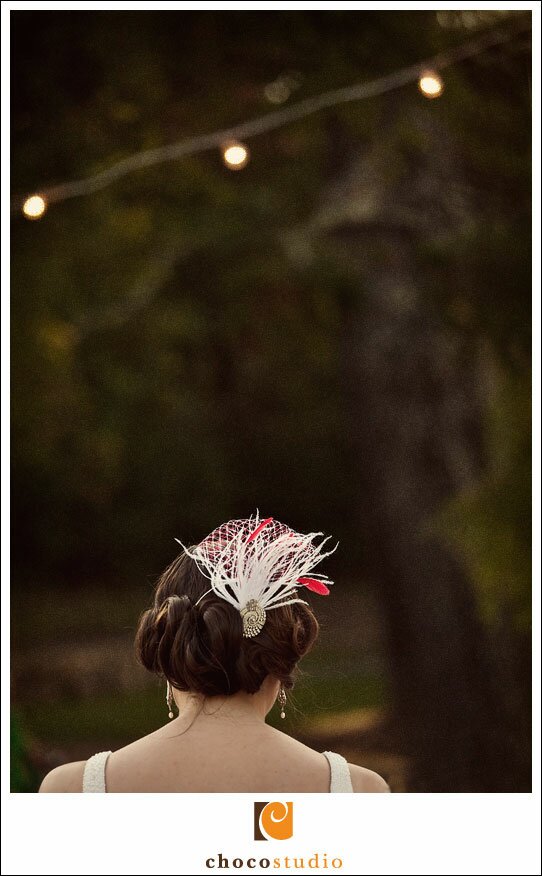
330, 323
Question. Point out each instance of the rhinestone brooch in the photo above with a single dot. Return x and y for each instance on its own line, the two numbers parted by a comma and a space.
253, 616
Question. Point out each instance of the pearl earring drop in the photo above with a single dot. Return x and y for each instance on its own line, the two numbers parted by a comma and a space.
169, 700
282, 701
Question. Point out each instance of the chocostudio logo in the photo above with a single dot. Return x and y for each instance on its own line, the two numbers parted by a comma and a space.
273, 821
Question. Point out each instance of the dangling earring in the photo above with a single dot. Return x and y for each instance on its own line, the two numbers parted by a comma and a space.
169, 700
282, 701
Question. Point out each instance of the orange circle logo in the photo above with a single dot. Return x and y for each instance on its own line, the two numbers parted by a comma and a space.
274, 821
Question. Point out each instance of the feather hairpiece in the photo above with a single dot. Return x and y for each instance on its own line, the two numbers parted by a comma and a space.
257, 565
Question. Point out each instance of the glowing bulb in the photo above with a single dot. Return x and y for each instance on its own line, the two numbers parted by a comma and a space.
235, 156
34, 207
430, 84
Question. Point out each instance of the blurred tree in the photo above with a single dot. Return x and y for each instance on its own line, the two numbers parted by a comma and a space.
424, 358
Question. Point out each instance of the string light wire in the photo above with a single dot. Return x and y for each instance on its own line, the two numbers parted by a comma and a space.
277, 119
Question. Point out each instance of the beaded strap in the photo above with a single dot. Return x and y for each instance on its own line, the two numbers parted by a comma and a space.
94, 774
340, 780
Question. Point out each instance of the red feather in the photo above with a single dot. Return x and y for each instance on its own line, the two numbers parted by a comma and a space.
259, 528
314, 585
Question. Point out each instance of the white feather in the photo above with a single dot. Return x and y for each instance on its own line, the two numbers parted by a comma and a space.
266, 567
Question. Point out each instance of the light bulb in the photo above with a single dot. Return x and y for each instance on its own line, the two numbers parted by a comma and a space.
235, 156
430, 84
34, 207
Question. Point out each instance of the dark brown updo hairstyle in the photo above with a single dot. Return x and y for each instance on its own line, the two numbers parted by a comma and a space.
201, 648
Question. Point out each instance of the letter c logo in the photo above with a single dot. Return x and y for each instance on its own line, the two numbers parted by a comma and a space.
273, 821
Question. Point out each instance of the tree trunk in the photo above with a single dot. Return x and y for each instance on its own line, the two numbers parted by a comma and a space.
415, 390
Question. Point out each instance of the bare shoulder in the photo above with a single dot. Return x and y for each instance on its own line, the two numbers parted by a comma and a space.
67, 778
367, 781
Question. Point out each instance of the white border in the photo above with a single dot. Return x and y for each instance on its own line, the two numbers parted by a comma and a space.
179, 5
374, 833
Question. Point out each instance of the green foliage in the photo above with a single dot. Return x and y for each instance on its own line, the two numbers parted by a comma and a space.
155, 394
491, 524
24, 778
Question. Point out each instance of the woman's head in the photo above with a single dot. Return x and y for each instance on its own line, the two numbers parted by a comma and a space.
201, 647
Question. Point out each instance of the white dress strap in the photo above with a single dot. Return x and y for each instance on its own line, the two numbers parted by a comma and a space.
94, 773
340, 781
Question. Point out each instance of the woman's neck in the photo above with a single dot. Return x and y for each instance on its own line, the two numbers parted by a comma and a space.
238, 706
